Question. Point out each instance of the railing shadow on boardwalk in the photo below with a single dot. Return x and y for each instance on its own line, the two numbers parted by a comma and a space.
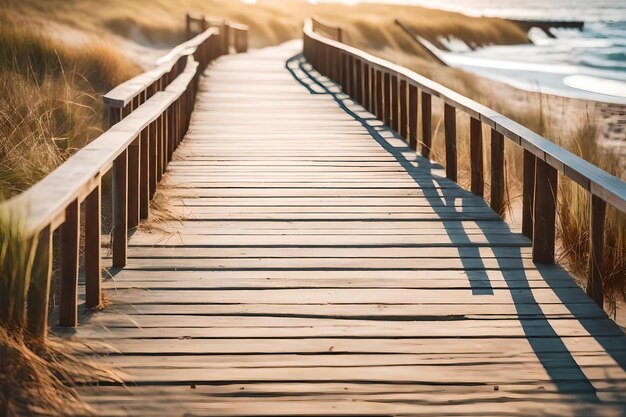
547, 345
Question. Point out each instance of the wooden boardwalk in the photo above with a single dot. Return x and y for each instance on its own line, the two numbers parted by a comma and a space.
323, 268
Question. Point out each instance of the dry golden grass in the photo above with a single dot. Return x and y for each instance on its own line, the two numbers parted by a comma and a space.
35, 379
162, 212
39, 380
270, 21
49, 101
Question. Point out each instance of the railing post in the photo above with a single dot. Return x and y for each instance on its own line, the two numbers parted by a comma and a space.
413, 109
450, 137
427, 135
476, 152
379, 95
367, 88
39, 289
187, 26
70, 238
343, 73
226, 39
144, 174
120, 211
326, 59
546, 182
152, 158
93, 265
395, 125
171, 129
159, 148
595, 288
404, 111
115, 115
387, 100
336, 57
351, 78
133, 183
528, 194
497, 172
359, 81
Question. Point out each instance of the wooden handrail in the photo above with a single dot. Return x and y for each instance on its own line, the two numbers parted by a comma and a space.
149, 116
380, 85
122, 99
239, 38
333, 31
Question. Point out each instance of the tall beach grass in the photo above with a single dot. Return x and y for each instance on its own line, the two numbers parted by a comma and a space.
49, 101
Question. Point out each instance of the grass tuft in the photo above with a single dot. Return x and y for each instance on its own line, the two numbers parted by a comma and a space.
49, 102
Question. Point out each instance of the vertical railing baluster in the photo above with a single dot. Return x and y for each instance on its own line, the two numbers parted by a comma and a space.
367, 88
133, 182
351, 77
394, 104
70, 238
427, 135
404, 111
387, 99
413, 110
379, 95
144, 174
544, 224
152, 158
497, 172
450, 139
528, 194
93, 264
476, 157
120, 211
39, 288
597, 221
359, 81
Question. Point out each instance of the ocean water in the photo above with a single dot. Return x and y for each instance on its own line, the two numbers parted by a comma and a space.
588, 64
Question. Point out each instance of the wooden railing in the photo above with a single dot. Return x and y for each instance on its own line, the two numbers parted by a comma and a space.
334, 32
234, 34
395, 94
149, 116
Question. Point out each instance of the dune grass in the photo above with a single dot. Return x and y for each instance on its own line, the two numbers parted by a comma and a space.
28, 385
36, 378
270, 21
49, 101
